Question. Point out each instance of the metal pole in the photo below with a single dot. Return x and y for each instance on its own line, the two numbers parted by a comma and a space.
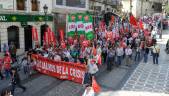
45, 18
94, 12
130, 6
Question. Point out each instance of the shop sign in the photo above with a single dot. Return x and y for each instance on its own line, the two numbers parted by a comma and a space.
23, 18
3, 18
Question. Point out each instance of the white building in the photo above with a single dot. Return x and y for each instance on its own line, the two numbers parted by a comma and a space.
142, 7
17, 19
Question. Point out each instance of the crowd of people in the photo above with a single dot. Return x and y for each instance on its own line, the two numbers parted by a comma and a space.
112, 49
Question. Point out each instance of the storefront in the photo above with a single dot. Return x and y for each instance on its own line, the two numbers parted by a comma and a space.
18, 29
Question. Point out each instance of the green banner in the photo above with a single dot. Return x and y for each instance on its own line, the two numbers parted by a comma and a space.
71, 25
88, 25
24, 18
80, 24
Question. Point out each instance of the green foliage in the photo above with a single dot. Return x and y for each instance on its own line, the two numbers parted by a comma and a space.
167, 8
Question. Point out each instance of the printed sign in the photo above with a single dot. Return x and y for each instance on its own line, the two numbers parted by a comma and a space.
62, 70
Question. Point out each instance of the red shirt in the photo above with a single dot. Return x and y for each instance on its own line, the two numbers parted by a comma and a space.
7, 62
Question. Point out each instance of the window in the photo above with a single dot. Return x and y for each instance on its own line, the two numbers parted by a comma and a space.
76, 3
20, 4
1, 6
72, 3
34, 5
59, 2
157, 7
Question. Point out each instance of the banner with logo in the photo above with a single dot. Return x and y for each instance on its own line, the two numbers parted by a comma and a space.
88, 24
71, 25
59, 69
80, 24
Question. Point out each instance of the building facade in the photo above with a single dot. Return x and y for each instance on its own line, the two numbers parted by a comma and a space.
142, 7
17, 19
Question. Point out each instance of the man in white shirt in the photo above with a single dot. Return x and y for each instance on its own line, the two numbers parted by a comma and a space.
99, 50
128, 53
120, 53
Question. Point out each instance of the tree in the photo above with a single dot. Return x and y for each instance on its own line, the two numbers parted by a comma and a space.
166, 8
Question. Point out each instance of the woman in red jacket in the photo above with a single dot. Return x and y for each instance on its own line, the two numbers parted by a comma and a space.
7, 65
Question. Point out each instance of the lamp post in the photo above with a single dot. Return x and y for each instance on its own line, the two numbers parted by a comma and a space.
45, 8
131, 6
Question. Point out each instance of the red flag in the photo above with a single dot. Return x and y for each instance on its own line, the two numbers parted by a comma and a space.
141, 24
46, 40
53, 38
95, 86
133, 20
99, 60
54, 43
61, 35
48, 29
34, 34
94, 51
49, 35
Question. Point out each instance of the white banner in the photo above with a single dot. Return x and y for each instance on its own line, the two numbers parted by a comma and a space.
80, 26
71, 26
88, 27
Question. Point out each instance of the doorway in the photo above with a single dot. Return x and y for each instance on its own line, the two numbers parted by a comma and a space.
28, 37
13, 35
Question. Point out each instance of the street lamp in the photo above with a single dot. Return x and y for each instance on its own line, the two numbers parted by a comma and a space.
45, 8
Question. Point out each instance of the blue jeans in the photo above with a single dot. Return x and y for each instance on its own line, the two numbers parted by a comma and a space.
155, 58
110, 62
119, 59
145, 57
137, 56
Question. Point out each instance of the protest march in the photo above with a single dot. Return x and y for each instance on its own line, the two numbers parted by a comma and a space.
78, 54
